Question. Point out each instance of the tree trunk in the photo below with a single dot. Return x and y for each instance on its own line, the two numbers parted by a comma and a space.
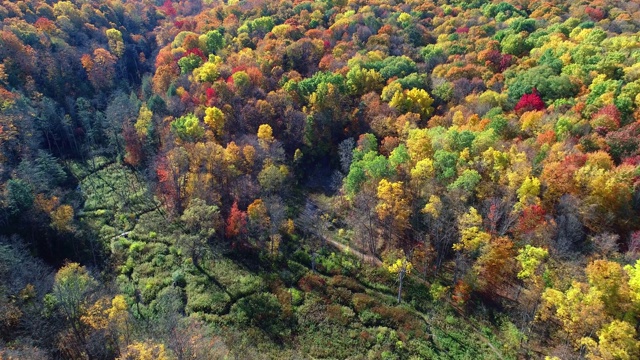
400, 279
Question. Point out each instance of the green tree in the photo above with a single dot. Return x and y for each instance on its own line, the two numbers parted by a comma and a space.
188, 127
199, 222
188, 63
19, 195
361, 81
71, 286
213, 41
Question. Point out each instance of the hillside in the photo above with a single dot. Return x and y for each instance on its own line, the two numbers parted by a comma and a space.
319, 179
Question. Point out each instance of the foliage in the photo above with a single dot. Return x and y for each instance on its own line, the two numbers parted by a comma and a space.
188, 127
497, 154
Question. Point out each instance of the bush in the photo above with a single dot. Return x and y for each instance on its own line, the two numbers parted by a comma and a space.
302, 257
178, 278
297, 297
400, 318
262, 310
312, 282
340, 314
369, 318
346, 282
201, 298
297, 270
363, 302
339, 295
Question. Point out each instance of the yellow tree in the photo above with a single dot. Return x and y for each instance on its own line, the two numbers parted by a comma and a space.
111, 316
116, 44
265, 135
611, 281
580, 310
259, 221
393, 207
215, 119
472, 237
146, 351
634, 283
616, 341
419, 145
414, 100
401, 267
143, 123
530, 258
62, 218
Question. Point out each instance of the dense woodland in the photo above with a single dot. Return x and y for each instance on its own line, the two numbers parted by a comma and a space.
336, 179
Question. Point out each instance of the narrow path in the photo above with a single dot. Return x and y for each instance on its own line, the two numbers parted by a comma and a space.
364, 257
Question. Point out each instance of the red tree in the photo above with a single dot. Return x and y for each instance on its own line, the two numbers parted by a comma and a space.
529, 102
236, 222
168, 8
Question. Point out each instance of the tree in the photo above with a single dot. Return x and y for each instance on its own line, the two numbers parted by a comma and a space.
467, 181
19, 195
199, 222
236, 222
116, 44
530, 102
611, 281
616, 340
530, 258
445, 164
265, 135
393, 207
472, 237
259, 221
634, 282
62, 218
215, 119
361, 81
494, 267
190, 62
146, 351
100, 69
188, 127
144, 122
402, 267
209, 71
272, 177
213, 41
580, 310
419, 144
112, 317
72, 284
414, 100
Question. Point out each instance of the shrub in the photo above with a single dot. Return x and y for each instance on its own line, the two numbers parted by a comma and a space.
297, 297
346, 282
262, 310
312, 282
369, 318
340, 314
362, 302
178, 278
339, 295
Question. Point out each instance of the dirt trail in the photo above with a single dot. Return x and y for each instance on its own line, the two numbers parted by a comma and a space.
364, 257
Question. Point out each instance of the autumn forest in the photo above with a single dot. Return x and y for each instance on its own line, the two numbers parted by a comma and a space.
334, 179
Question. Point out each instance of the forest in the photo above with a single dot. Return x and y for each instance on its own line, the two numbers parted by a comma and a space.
333, 179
